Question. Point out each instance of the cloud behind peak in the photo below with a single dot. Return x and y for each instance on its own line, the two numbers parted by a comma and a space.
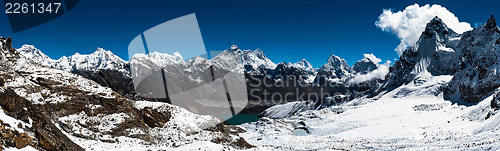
409, 23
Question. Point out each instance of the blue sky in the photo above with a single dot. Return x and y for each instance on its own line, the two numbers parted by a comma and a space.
285, 30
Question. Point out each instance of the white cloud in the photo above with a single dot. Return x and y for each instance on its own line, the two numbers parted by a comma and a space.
379, 73
410, 23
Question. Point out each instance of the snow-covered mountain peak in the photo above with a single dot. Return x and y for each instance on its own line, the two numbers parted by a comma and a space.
234, 47
367, 64
234, 59
304, 65
439, 44
196, 60
29, 48
436, 21
436, 24
105, 55
100, 50
100, 59
435, 52
301, 71
157, 60
30, 51
198, 63
336, 62
334, 69
437, 29
174, 57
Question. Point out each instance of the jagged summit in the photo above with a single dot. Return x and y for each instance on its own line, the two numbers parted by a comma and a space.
35, 54
334, 68
162, 58
366, 65
303, 64
99, 59
435, 52
336, 64
437, 42
491, 25
335, 61
436, 25
103, 54
436, 22
491, 21
7, 51
99, 49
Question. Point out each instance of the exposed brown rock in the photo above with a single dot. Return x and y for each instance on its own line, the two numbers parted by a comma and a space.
12, 138
48, 135
153, 118
243, 144
21, 142
226, 128
2, 82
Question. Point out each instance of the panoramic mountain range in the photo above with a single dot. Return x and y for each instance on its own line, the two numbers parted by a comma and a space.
442, 93
111, 71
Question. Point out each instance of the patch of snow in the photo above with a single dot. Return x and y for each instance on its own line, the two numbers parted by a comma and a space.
27, 148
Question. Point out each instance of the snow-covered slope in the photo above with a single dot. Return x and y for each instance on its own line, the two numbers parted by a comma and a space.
412, 116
